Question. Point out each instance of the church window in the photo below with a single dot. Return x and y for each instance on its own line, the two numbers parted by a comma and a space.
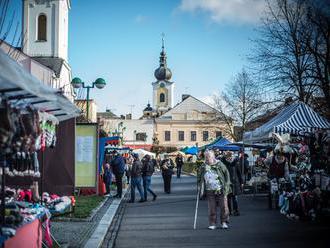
205, 135
167, 135
181, 135
162, 97
42, 27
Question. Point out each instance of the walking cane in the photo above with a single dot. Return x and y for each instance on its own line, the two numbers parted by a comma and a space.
196, 209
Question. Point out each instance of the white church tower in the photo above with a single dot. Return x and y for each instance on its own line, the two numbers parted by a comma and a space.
163, 89
45, 32
45, 28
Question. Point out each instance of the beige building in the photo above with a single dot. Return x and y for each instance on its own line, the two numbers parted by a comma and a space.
92, 108
191, 122
135, 133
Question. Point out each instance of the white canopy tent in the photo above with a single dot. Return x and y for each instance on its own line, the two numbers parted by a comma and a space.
142, 153
298, 119
176, 153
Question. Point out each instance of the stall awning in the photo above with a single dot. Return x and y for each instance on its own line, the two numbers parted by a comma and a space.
297, 118
17, 84
192, 150
223, 144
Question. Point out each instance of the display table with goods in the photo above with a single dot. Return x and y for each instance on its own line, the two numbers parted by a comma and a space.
259, 181
29, 112
303, 192
23, 209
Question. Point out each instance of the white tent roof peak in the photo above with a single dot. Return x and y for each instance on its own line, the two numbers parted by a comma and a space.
297, 118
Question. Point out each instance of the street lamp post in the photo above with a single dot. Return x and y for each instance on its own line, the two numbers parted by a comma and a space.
78, 83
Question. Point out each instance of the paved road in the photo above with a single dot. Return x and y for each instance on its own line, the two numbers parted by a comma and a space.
168, 222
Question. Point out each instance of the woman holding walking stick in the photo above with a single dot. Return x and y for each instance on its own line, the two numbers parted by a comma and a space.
217, 182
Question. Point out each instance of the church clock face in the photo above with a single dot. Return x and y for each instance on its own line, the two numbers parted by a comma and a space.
162, 85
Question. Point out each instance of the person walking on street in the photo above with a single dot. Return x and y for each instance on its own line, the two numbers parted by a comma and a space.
167, 166
118, 168
179, 164
148, 169
136, 178
236, 179
128, 167
107, 177
217, 183
244, 165
199, 163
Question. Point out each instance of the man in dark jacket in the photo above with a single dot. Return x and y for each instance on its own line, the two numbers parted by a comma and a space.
179, 163
244, 166
136, 178
118, 168
148, 169
107, 177
167, 166
236, 179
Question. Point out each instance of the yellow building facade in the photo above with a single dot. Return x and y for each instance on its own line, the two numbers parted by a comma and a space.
191, 122
187, 133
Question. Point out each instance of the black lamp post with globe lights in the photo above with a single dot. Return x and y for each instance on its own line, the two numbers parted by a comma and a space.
78, 83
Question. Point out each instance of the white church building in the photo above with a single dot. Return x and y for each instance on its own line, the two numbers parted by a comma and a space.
44, 48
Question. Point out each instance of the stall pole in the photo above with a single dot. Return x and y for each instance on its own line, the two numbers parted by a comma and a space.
42, 175
3, 183
243, 160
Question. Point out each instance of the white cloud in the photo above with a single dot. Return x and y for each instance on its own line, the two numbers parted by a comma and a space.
140, 18
227, 11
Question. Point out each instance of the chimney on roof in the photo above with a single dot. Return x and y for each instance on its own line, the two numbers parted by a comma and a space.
185, 96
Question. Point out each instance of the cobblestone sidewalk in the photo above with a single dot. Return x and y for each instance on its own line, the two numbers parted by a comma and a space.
75, 233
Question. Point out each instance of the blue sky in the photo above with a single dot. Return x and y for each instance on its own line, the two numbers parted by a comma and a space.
206, 43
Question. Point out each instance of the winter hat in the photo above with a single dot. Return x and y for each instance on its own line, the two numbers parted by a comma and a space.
135, 155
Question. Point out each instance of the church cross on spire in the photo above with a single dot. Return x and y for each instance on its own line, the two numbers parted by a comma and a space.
163, 47
162, 59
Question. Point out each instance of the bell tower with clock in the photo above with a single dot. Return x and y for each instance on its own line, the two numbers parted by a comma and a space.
163, 88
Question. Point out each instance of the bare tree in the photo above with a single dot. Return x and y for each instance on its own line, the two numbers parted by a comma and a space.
239, 103
281, 55
318, 43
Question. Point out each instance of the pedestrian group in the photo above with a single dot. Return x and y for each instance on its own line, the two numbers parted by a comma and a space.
219, 178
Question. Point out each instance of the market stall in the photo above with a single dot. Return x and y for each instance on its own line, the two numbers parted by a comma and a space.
297, 119
142, 153
223, 144
112, 141
176, 153
297, 169
30, 112
191, 150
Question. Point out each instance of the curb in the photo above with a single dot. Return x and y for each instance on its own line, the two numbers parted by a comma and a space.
101, 230
189, 174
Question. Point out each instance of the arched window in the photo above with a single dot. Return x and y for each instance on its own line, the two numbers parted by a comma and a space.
162, 97
42, 27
